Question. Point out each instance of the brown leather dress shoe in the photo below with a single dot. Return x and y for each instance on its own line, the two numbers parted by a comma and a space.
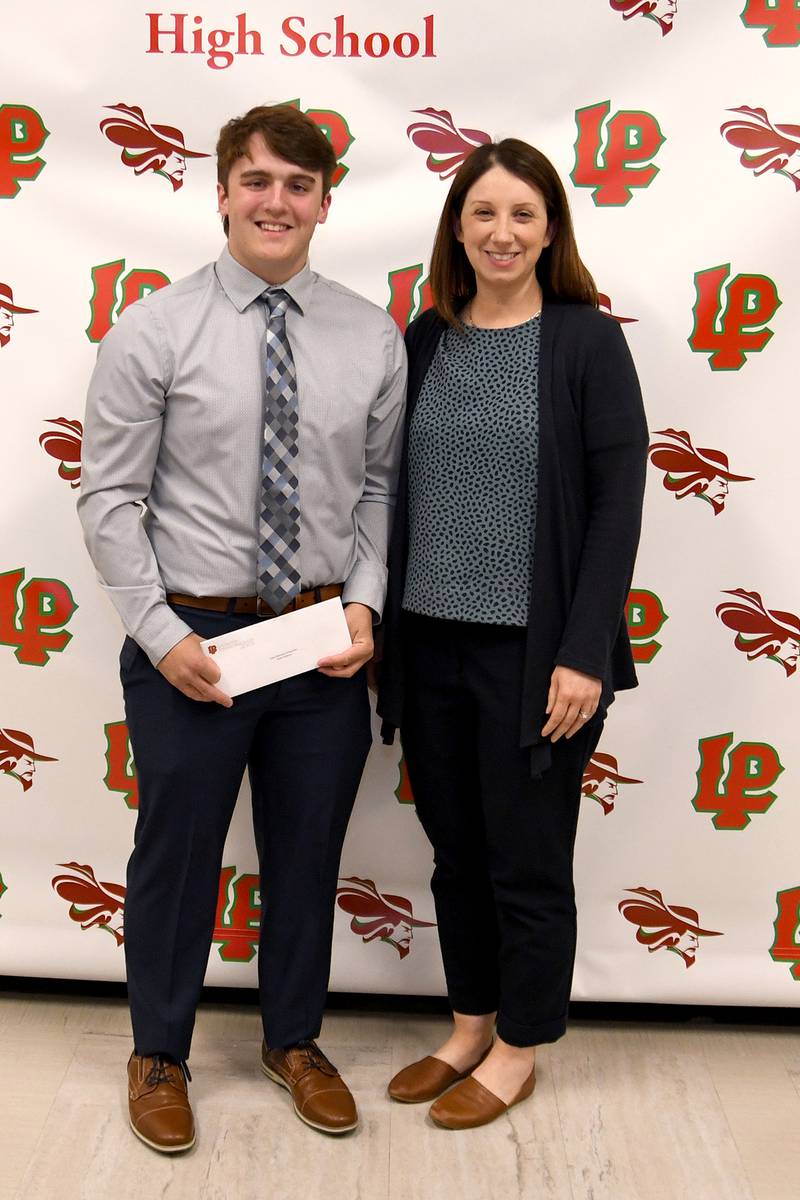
471, 1104
321, 1097
158, 1103
427, 1079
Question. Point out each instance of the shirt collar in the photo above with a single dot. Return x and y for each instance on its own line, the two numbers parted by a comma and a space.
242, 287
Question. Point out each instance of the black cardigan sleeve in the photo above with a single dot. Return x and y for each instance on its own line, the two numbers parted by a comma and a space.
422, 338
615, 440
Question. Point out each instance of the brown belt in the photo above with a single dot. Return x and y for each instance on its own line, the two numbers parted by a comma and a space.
254, 605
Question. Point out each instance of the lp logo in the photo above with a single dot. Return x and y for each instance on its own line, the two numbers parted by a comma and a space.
644, 615
111, 296
731, 331
32, 617
780, 18
752, 769
22, 135
120, 769
409, 295
238, 917
631, 139
336, 130
785, 945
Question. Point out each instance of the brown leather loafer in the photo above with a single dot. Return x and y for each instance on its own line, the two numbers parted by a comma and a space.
158, 1103
427, 1079
321, 1097
471, 1104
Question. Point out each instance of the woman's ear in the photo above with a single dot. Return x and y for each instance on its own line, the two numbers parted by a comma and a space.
552, 230
457, 230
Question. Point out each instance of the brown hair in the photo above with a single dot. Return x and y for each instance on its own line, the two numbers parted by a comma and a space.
560, 272
287, 132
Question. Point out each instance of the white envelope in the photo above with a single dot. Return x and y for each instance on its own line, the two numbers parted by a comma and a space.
277, 649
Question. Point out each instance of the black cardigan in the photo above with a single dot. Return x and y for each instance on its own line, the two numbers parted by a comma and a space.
592, 456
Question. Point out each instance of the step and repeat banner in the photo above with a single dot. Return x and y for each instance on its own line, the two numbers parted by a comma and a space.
675, 125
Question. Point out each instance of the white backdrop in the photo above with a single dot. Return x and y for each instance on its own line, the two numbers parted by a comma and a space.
687, 214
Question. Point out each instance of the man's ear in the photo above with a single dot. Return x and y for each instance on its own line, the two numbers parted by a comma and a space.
324, 208
222, 201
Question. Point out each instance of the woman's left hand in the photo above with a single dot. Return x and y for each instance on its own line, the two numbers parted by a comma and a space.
571, 702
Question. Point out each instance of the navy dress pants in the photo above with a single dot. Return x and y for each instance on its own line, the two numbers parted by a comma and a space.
502, 841
304, 742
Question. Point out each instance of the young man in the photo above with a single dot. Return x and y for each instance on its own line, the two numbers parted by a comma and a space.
256, 409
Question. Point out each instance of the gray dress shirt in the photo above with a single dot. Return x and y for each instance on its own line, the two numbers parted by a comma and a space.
171, 461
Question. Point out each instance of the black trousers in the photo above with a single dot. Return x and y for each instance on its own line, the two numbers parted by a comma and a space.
304, 742
503, 842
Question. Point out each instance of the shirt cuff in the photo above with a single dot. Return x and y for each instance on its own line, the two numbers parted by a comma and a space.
366, 584
162, 630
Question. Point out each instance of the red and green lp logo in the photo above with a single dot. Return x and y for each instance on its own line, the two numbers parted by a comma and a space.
780, 19
734, 783
22, 135
34, 616
113, 291
786, 942
409, 294
120, 773
613, 155
731, 316
644, 615
238, 917
336, 130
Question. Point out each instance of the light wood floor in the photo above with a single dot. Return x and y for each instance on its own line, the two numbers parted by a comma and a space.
621, 1112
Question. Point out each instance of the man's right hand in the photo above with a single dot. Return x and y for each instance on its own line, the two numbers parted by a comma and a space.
192, 672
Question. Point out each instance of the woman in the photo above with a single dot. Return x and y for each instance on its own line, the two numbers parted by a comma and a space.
514, 540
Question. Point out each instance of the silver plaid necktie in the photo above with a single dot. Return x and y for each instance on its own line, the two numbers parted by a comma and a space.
278, 574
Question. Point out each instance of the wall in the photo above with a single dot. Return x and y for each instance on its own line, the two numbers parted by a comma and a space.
677, 131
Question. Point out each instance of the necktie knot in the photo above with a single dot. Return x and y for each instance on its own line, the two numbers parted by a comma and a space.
277, 301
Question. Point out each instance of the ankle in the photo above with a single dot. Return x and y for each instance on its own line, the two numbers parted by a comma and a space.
503, 1052
473, 1030
471, 1040
464, 1048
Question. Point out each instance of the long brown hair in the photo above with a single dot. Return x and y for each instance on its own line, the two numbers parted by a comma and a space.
560, 272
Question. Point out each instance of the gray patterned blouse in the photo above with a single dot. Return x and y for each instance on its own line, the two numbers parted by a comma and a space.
472, 471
